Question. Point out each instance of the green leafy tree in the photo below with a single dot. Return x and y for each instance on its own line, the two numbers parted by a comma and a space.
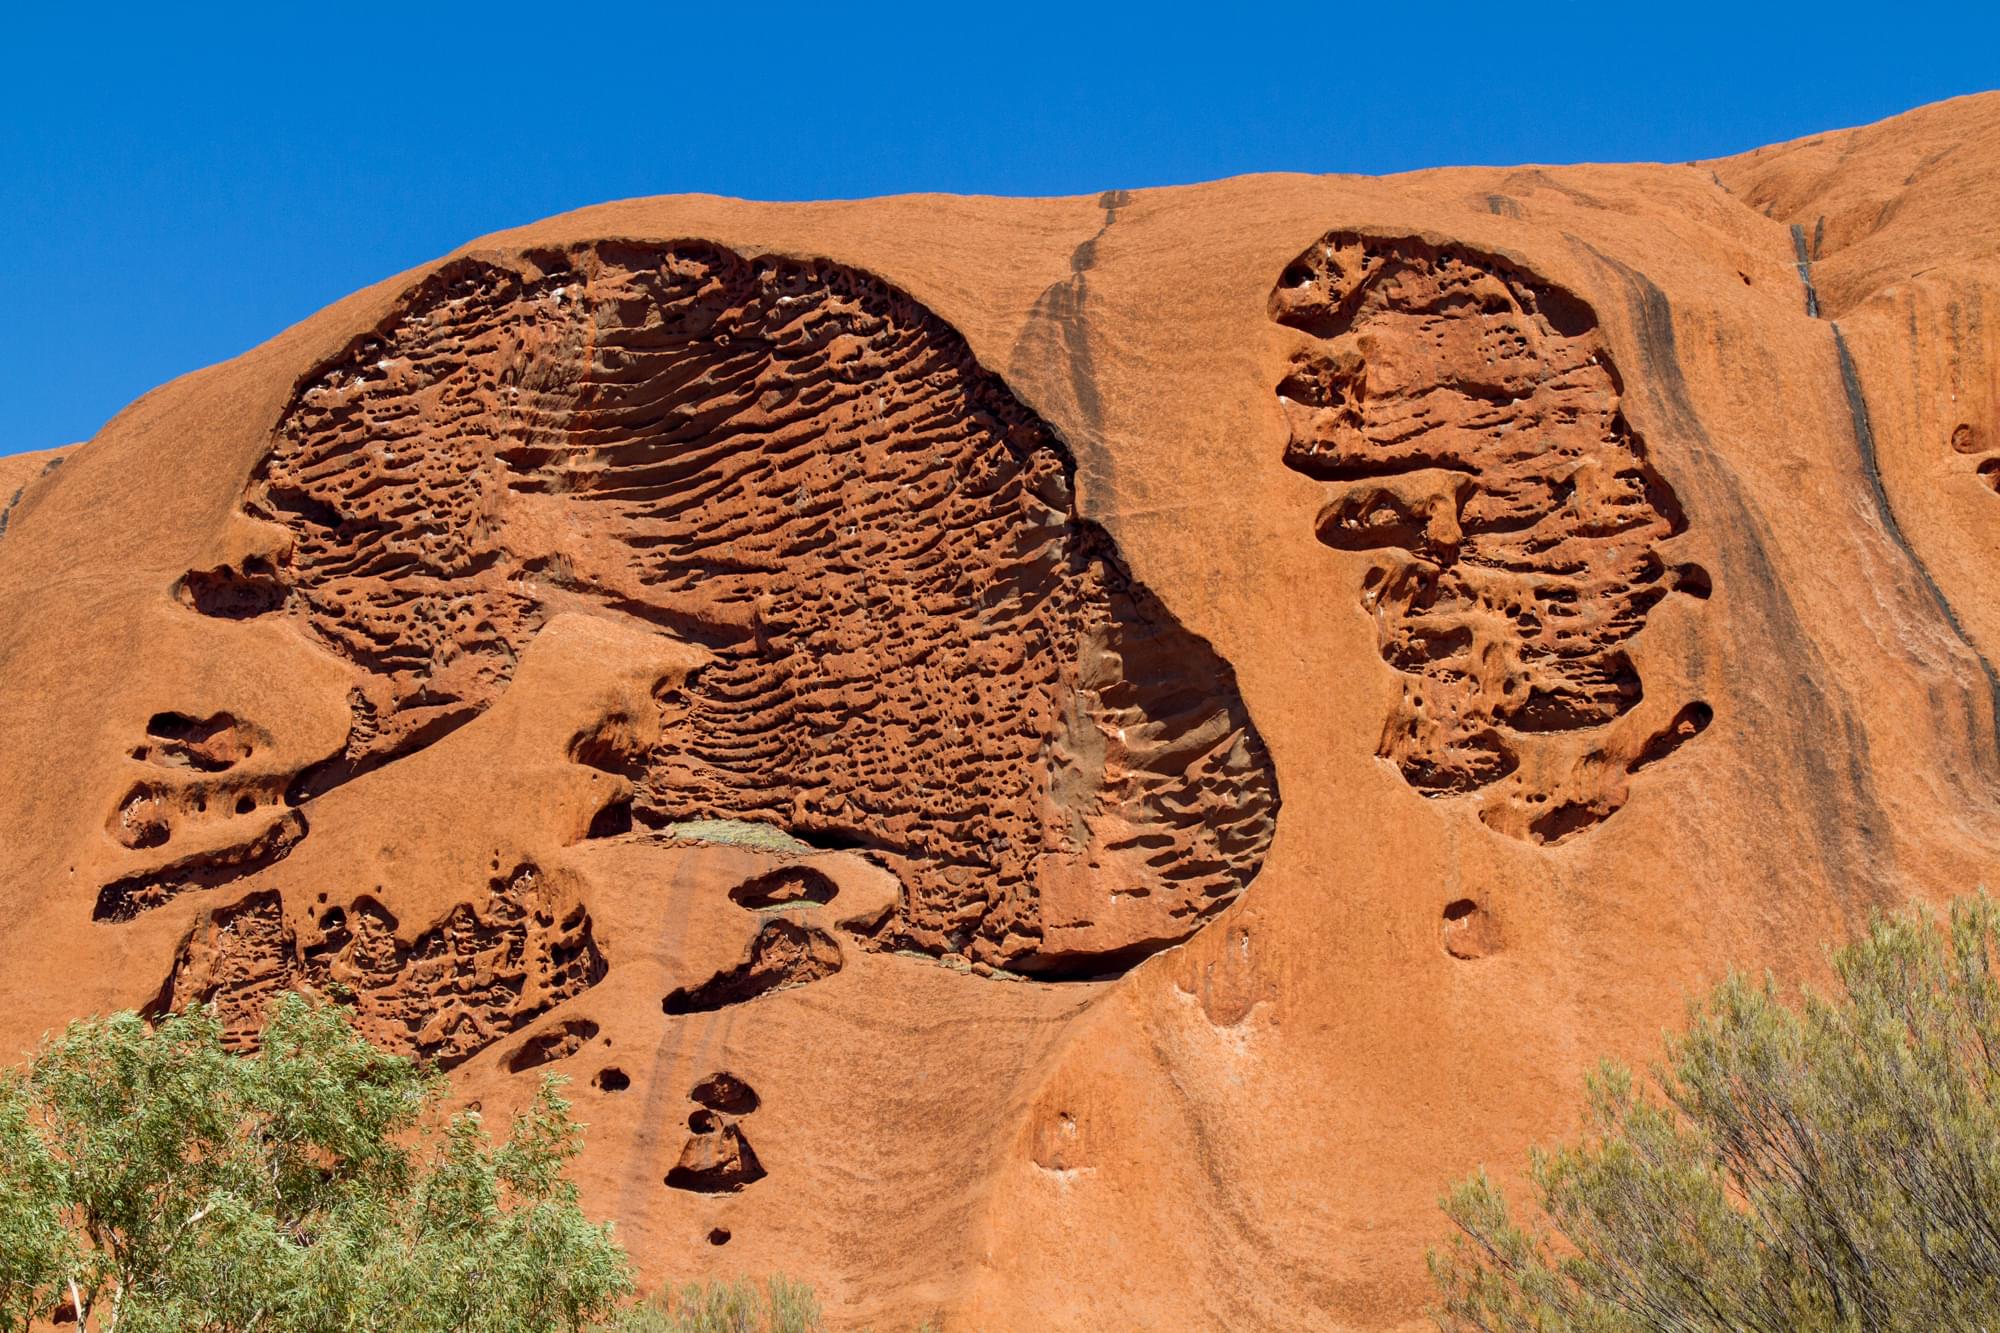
1833, 1164
151, 1182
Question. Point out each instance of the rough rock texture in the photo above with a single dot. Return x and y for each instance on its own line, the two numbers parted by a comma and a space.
921, 649
1468, 417
823, 678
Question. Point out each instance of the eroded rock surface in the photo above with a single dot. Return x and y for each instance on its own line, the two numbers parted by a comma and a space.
782, 955
717, 1157
922, 651
1466, 416
487, 969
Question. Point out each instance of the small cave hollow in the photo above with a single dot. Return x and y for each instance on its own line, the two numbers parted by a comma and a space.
725, 1092
614, 820
1468, 930
719, 1161
556, 1043
1694, 580
786, 886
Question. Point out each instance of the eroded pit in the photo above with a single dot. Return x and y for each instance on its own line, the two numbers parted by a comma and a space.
720, 1161
556, 1043
725, 1092
1468, 930
783, 954
786, 886
488, 968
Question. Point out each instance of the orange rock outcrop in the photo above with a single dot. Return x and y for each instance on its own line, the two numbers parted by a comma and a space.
1041, 763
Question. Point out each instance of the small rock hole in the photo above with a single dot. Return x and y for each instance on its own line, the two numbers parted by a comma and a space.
784, 887
613, 820
725, 1092
556, 1043
170, 726
1469, 930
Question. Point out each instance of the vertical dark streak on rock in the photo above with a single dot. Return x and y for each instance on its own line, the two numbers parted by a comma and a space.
1805, 269
1057, 335
7, 512
1864, 438
1815, 711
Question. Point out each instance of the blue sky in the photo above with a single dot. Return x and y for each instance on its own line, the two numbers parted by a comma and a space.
176, 189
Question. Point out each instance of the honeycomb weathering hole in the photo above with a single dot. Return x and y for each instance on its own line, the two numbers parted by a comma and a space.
230, 592
486, 969
144, 820
1468, 930
725, 1092
1685, 725
212, 744
1466, 418
919, 644
783, 954
614, 820
1693, 580
784, 887
559, 1042
716, 1159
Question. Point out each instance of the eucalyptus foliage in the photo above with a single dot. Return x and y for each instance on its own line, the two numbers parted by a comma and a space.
151, 1182
1833, 1164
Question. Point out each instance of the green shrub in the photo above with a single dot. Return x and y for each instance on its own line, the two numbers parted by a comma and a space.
1833, 1164
150, 1182
777, 1306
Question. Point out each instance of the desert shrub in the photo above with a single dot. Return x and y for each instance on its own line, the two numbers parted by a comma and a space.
1832, 1163
777, 1305
151, 1182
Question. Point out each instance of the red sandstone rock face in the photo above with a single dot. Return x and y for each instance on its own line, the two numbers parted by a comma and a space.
820, 678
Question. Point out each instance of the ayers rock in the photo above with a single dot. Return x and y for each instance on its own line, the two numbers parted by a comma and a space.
1042, 763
